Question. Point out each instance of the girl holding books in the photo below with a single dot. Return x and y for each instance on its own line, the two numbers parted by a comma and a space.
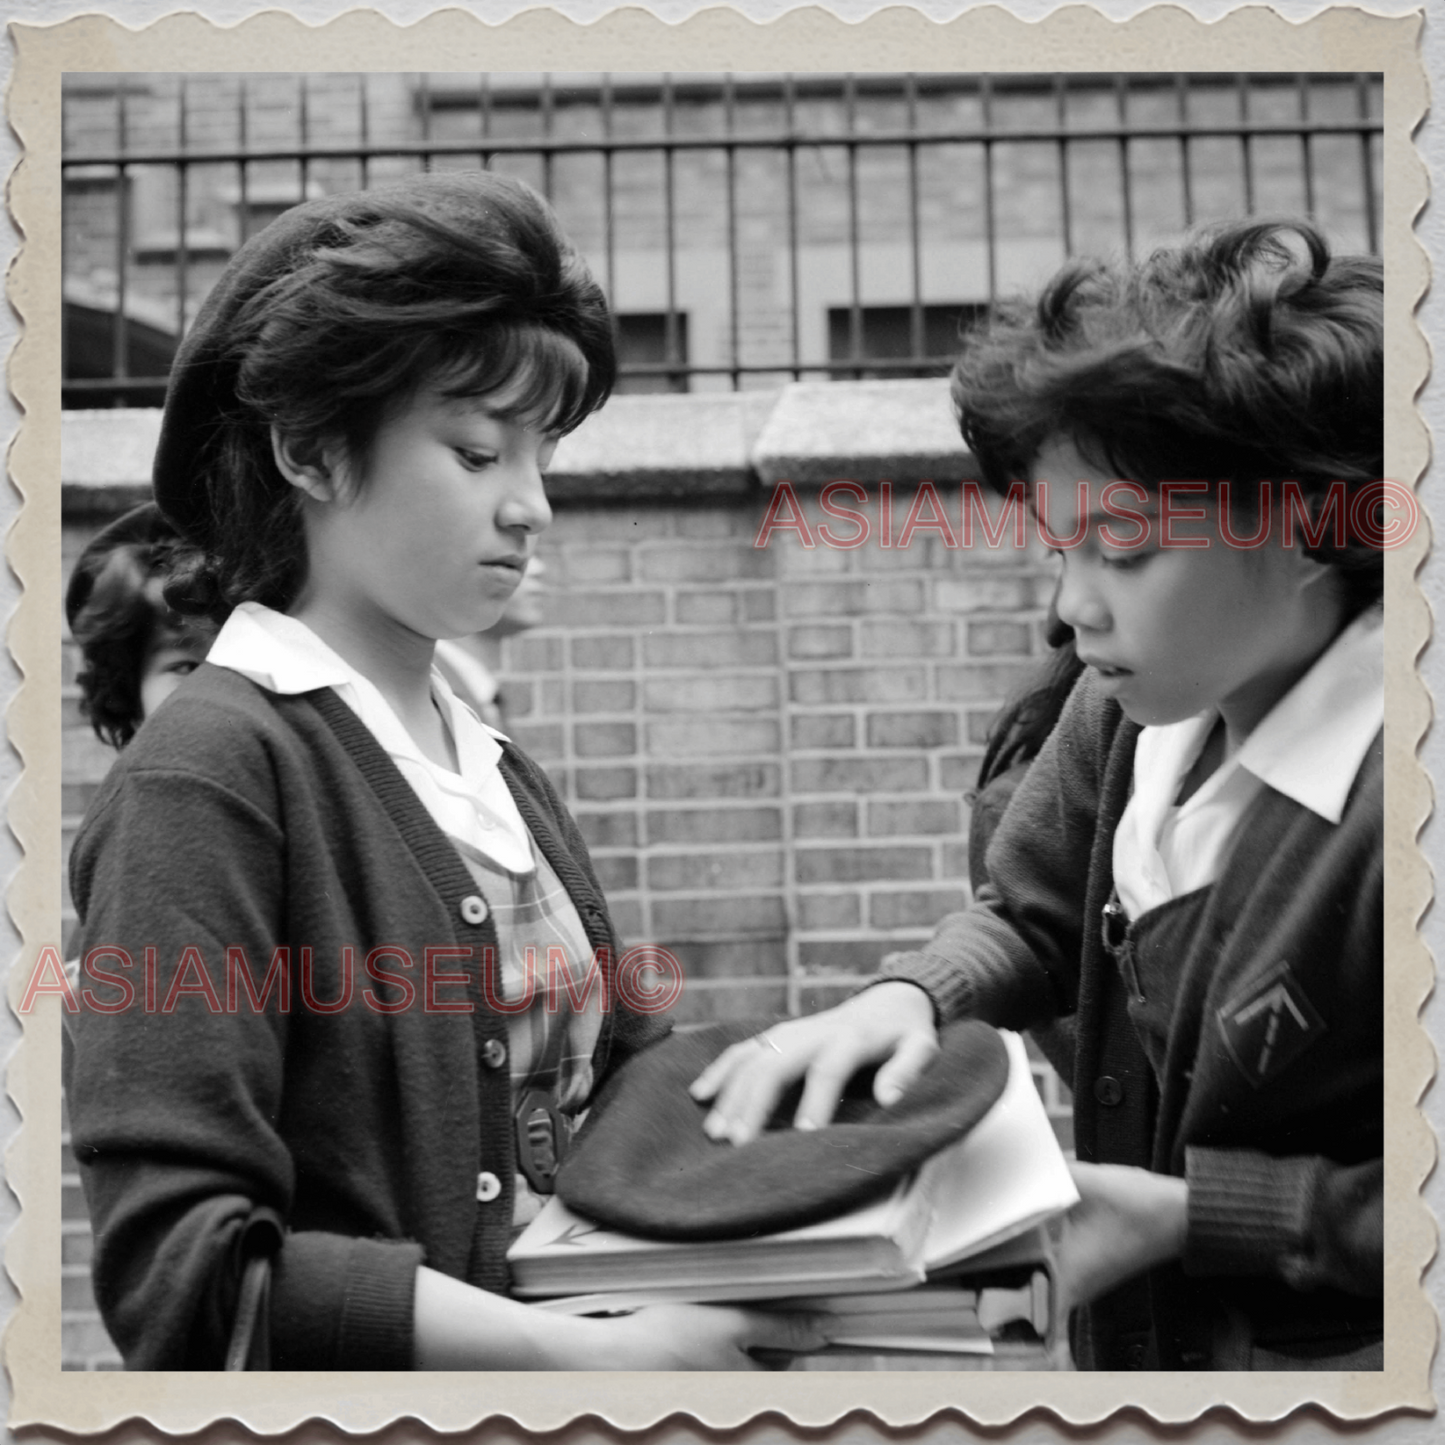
325, 876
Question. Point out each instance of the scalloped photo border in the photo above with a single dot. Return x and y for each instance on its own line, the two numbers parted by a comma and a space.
1075, 39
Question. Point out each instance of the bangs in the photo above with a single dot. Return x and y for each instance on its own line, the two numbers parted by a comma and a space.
529, 374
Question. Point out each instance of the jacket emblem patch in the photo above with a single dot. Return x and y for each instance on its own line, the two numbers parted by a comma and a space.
1269, 1024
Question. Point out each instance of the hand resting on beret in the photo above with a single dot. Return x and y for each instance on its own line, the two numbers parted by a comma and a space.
891, 1025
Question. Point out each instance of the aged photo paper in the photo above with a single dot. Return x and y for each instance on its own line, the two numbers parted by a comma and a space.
1075, 40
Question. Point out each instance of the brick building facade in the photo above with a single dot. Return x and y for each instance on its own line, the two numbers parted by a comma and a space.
779, 222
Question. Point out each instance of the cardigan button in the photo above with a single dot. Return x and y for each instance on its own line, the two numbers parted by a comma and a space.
494, 1053
474, 909
488, 1187
1108, 1091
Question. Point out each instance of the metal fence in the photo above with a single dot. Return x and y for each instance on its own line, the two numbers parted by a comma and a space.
748, 228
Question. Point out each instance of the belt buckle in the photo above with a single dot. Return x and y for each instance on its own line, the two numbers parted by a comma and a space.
543, 1135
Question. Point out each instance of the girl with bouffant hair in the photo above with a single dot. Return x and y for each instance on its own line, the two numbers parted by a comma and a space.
311, 1141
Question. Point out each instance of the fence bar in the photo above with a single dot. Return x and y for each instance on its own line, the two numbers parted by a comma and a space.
242, 177
1066, 203
547, 119
1246, 154
1121, 103
1181, 94
304, 122
120, 329
670, 346
64, 249
915, 238
790, 116
609, 219
183, 176
734, 318
855, 302
990, 239
363, 100
1367, 167
1306, 149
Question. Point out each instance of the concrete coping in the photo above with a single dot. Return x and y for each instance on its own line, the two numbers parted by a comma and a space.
698, 446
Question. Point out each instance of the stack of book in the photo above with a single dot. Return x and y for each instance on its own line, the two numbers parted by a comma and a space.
902, 1273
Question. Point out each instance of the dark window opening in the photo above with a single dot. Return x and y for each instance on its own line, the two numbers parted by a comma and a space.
90, 349
885, 334
648, 359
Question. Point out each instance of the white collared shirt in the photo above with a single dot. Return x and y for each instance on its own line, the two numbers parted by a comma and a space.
1309, 747
473, 806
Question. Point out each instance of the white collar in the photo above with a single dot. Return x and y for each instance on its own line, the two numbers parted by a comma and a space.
277, 652
473, 806
283, 655
1310, 745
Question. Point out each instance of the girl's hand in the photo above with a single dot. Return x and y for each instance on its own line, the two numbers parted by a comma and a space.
891, 1024
459, 1327
1127, 1220
695, 1337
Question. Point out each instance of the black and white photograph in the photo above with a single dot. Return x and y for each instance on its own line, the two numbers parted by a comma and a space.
728, 720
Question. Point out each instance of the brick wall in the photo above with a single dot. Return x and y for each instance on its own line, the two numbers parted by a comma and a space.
767, 749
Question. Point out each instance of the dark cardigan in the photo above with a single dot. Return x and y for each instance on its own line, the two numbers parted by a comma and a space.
1285, 1233
243, 820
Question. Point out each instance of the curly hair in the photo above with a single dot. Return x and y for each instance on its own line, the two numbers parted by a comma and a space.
459, 281
1237, 356
120, 621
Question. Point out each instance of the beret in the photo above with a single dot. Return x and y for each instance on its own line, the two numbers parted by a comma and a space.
203, 375
642, 1163
202, 387
141, 526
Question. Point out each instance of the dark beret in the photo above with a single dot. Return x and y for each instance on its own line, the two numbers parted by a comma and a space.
141, 526
202, 385
643, 1165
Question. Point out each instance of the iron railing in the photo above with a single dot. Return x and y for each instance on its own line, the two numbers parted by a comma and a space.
744, 211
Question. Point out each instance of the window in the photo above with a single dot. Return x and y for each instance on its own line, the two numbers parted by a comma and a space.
886, 334
642, 342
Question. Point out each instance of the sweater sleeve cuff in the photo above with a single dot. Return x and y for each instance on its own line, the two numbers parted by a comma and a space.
1248, 1213
344, 1304
949, 986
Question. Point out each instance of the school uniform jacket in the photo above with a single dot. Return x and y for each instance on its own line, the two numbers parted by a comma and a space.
367, 1111
1267, 1089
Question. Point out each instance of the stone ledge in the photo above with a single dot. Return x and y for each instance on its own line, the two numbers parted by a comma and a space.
105, 459
654, 447
862, 431
696, 447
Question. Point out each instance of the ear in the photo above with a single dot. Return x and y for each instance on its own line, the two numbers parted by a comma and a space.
1314, 578
315, 468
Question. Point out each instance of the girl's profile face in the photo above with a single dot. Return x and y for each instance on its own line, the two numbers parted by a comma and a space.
433, 530
1176, 626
